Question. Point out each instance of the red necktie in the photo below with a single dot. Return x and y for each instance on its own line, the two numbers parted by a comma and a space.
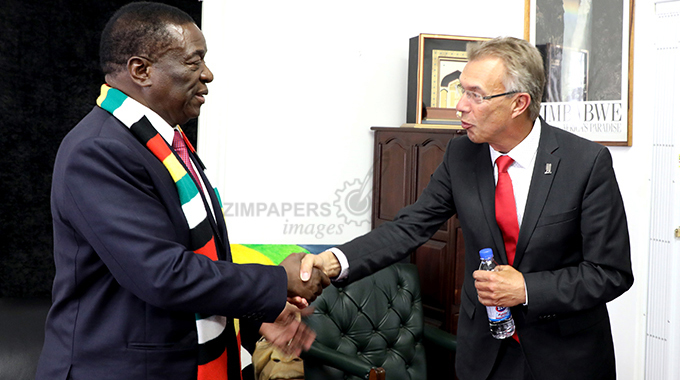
506, 211
180, 147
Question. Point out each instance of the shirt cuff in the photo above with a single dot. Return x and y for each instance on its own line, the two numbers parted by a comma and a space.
344, 264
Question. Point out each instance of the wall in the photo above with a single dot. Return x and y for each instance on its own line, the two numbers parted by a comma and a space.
298, 86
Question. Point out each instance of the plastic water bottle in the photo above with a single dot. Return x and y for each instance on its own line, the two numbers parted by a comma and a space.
500, 320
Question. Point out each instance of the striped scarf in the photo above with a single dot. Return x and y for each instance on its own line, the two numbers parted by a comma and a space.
219, 344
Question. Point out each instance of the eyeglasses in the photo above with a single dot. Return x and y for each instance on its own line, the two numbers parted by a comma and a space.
478, 98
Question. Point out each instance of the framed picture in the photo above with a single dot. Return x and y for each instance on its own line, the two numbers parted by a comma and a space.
435, 63
587, 47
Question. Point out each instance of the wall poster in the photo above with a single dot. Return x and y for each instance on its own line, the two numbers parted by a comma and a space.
587, 48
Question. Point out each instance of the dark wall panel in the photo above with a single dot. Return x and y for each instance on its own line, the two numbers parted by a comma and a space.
49, 80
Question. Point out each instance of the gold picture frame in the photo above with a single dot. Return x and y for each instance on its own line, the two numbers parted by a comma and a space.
435, 61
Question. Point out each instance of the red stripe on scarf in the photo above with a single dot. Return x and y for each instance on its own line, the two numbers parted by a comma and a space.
158, 147
216, 369
208, 249
187, 142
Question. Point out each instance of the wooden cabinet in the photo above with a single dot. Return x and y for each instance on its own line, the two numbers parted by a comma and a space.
404, 160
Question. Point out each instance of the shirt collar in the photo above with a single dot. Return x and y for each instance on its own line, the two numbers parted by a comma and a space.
523, 154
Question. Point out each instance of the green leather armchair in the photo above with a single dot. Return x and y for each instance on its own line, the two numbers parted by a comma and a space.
373, 329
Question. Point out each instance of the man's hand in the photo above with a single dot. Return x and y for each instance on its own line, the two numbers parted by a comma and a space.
502, 287
288, 333
324, 261
308, 290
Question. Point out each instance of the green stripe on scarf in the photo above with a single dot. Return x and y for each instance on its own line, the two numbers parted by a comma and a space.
113, 100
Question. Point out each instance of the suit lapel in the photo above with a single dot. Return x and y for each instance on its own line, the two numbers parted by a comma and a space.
487, 194
545, 168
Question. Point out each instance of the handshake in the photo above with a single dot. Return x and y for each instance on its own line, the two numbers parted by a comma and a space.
307, 275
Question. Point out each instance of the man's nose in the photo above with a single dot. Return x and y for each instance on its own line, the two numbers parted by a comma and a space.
207, 75
463, 104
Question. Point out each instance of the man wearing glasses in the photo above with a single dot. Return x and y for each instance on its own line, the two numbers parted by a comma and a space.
546, 201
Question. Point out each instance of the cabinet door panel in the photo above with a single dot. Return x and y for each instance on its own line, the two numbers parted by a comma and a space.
404, 161
429, 155
429, 258
393, 189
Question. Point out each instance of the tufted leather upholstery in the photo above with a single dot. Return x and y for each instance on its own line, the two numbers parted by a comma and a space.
378, 319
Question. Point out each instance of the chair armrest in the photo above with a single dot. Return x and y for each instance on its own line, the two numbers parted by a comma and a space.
441, 338
345, 363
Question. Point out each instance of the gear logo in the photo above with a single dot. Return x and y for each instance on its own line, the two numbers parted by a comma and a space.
354, 201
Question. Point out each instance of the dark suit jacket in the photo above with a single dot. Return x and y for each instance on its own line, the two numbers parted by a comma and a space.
126, 288
573, 250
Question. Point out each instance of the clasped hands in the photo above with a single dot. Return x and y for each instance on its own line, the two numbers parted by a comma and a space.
288, 333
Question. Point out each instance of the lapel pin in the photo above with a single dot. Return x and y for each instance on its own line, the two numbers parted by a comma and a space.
548, 168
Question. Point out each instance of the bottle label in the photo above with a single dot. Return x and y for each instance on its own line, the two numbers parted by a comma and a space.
497, 314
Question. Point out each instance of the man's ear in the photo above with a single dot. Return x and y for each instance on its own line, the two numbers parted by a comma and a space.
139, 69
521, 104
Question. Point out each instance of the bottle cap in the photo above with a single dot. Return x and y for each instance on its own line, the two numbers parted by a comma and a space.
486, 253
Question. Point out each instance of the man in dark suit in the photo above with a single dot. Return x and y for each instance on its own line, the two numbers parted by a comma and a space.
570, 256
144, 285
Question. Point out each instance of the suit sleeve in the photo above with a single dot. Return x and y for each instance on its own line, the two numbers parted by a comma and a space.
603, 270
112, 200
412, 226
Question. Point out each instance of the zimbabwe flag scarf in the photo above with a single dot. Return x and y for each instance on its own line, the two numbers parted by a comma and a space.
218, 337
